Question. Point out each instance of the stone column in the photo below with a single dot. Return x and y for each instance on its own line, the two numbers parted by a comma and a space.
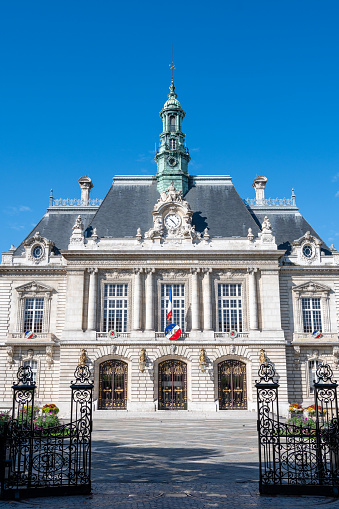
137, 299
92, 299
252, 299
195, 299
207, 300
149, 300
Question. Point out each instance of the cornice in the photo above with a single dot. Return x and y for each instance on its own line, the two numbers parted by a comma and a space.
24, 269
309, 270
171, 254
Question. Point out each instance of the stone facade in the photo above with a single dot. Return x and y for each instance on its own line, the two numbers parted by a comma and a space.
246, 277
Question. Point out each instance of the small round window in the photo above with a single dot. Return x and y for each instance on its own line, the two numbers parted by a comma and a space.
37, 251
307, 251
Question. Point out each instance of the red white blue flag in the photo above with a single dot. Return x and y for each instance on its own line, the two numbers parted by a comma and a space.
172, 331
169, 307
29, 334
316, 334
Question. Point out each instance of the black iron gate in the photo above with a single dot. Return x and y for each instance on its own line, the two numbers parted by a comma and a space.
37, 461
172, 385
298, 459
232, 385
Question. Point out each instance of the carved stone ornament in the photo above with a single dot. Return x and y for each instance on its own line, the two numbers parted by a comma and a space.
266, 235
250, 235
336, 355
172, 219
10, 355
296, 354
173, 274
77, 238
49, 356
266, 225
307, 249
38, 249
312, 289
34, 289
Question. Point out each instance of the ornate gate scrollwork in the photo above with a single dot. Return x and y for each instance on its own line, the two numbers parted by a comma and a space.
113, 385
172, 385
232, 385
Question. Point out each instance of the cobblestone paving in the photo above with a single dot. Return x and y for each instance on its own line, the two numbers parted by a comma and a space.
174, 464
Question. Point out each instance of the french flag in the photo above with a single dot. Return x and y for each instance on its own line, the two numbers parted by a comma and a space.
169, 307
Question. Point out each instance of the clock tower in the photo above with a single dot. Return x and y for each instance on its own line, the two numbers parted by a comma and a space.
172, 156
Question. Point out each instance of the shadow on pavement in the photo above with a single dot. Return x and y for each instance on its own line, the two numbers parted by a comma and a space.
113, 462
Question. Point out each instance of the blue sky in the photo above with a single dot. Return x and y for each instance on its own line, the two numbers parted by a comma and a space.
82, 84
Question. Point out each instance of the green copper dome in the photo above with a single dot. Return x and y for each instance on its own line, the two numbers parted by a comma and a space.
172, 101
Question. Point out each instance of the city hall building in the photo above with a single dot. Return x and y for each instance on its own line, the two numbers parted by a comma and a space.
247, 278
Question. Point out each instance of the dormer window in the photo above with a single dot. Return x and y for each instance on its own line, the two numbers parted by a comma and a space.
172, 144
172, 124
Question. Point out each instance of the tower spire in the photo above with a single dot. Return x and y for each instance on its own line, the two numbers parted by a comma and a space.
172, 156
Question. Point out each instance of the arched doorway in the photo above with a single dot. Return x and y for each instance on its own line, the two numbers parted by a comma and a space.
112, 385
172, 385
232, 391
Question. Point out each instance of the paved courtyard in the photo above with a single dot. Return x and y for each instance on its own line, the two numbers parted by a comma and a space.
168, 464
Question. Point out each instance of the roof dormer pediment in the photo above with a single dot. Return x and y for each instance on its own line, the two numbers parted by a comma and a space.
311, 288
34, 288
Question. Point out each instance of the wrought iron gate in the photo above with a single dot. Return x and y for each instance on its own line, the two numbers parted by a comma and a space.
113, 385
38, 461
172, 385
232, 385
298, 459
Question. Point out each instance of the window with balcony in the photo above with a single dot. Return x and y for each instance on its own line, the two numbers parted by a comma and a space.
178, 305
115, 307
230, 314
33, 315
311, 309
311, 303
34, 306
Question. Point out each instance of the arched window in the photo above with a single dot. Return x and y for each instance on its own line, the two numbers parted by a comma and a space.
172, 124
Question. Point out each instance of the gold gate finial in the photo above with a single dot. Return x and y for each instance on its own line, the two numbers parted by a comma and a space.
262, 357
83, 357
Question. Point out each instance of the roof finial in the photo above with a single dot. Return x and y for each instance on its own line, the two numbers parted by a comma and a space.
172, 87
172, 66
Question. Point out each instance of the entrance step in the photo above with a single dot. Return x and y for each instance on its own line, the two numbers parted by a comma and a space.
161, 415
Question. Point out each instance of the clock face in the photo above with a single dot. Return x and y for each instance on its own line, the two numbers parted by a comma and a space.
172, 221
37, 252
307, 251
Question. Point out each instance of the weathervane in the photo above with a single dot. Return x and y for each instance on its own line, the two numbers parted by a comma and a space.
172, 66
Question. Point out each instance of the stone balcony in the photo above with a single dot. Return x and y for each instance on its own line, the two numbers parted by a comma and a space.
38, 338
225, 335
304, 338
104, 335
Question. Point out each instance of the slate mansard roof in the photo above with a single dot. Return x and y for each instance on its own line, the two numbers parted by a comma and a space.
214, 201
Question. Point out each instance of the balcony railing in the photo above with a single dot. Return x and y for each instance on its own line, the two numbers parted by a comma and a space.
306, 336
104, 335
161, 335
226, 335
45, 336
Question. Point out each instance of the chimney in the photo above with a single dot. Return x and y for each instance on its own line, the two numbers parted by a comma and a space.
259, 184
86, 185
